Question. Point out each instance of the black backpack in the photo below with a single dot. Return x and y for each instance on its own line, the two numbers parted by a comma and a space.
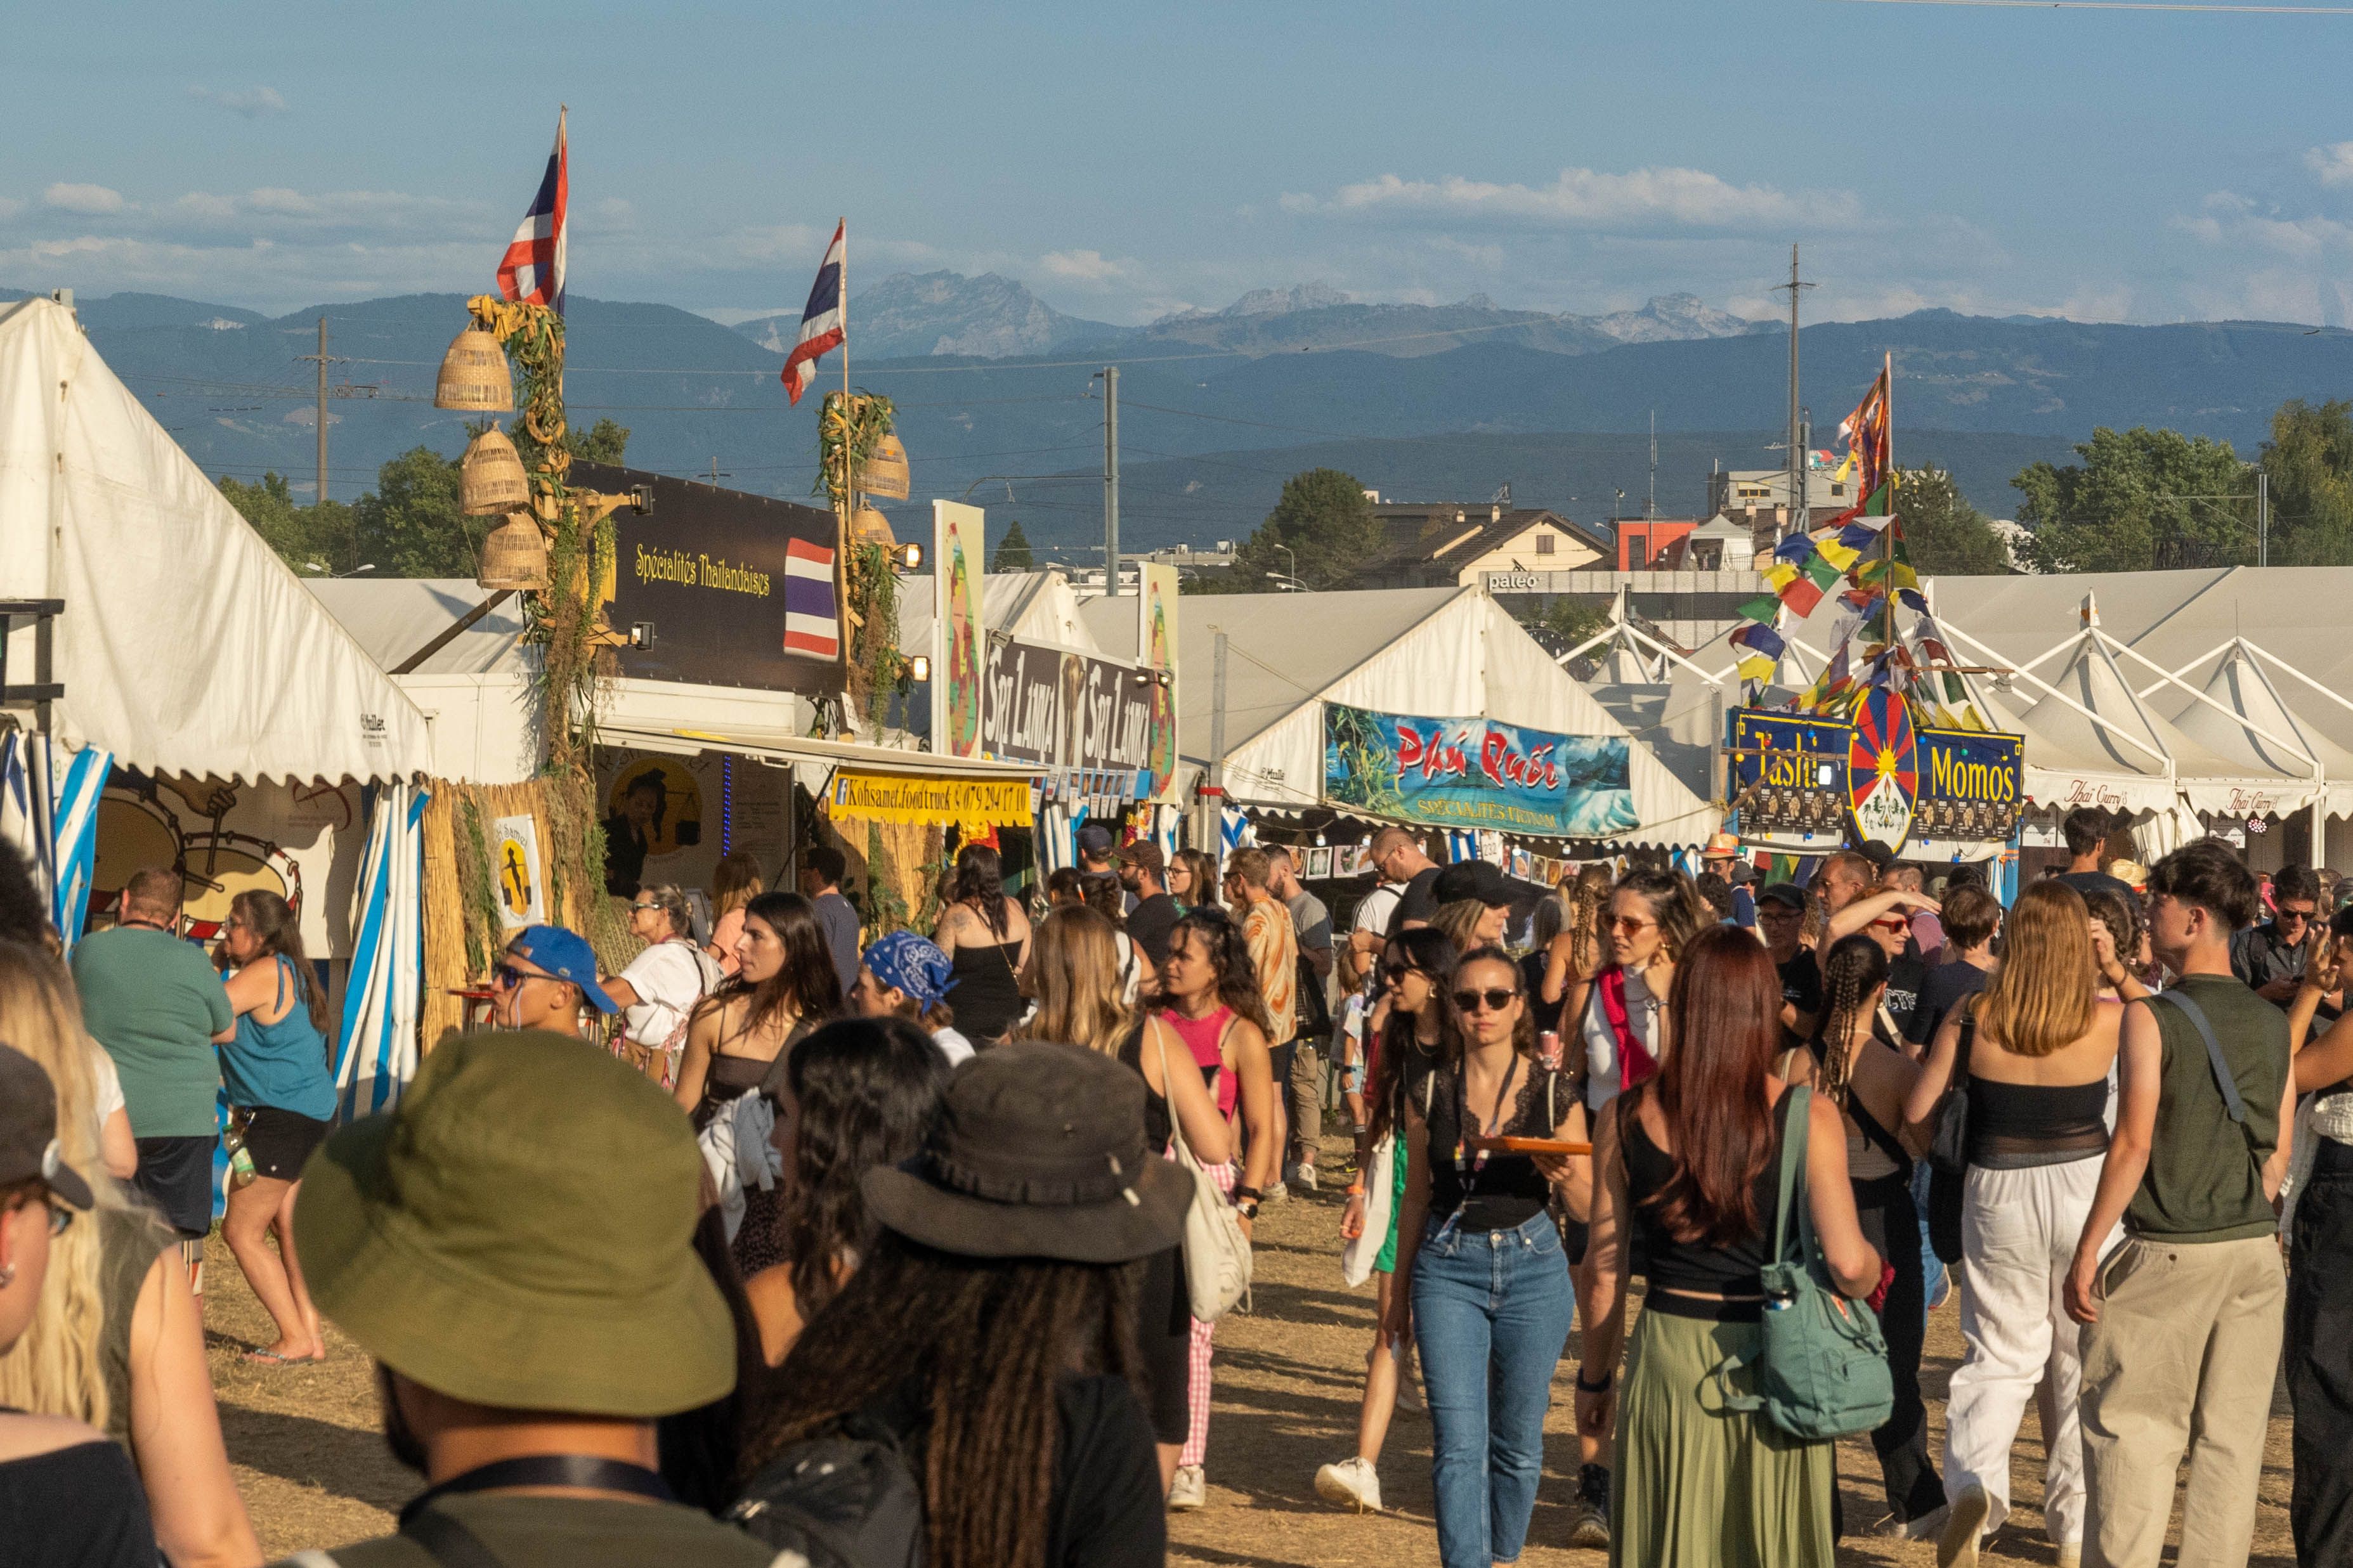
845, 1500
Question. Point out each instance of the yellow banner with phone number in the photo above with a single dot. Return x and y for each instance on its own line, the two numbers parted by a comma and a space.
971, 803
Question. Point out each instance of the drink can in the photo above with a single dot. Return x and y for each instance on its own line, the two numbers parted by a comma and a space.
1549, 1048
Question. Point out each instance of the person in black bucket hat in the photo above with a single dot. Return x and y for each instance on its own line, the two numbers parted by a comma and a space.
991, 1326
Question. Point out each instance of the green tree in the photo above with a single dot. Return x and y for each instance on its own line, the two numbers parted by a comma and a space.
2141, 499
315, 540
413, 526
2309, 462
1563, 623
1944, 532
605, 443
1013, 551
1322, 531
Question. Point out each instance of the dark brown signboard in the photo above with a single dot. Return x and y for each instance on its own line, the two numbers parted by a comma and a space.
1064, 709
731, 589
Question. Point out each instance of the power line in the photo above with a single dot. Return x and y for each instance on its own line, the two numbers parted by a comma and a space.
2123, 6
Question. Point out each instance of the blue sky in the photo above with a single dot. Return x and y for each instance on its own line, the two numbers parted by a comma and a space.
1128, 161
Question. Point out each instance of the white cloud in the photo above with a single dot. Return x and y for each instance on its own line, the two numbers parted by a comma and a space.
1084, 267
89, 200
2232, 219
251, 103
2332, 165
1582, 198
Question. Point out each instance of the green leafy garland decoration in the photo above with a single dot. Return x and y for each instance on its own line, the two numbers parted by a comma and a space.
848, 427
561, 620
477, 885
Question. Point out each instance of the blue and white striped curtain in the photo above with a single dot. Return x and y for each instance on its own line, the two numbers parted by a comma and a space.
48, 810
376, 1054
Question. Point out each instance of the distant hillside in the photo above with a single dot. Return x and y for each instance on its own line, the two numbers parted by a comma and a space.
1414, 421
910, 314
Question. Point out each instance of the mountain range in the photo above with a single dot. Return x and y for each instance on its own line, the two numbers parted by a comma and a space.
993, 317
1443, 402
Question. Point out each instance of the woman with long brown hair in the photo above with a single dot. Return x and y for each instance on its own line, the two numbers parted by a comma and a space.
734, 885
1858, 1064
987, 937
1417, 974
786, 986
1616, 1026
1575, 954
1488, 1298
1684, 1164
1210, 999
283, 1098
1192, 880
2035, 1049
1074, 968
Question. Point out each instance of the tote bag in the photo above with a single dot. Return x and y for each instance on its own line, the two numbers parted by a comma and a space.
1216, 1253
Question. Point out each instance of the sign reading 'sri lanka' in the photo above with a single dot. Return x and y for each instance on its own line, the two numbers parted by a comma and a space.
1476, 773
1807, 785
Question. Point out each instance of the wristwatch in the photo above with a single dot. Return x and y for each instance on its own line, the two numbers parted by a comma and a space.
1248, 1207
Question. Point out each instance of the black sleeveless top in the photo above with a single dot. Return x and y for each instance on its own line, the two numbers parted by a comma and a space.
2018, 1126
1159, 1122
1873, 1153
1672, 1266
1508, 1190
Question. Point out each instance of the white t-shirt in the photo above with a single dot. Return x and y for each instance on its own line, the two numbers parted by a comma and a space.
108, 1099
669, 980
953, 1045
1605, 1074
1378, 907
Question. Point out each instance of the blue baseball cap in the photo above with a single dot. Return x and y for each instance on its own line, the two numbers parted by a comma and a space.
565, 955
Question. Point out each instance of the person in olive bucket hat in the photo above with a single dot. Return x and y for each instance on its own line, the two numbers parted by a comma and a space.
513, 1245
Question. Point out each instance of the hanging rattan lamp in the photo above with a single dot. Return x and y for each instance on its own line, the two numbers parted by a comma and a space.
474, 375
885, 473
491, 478
869, 526
515, 555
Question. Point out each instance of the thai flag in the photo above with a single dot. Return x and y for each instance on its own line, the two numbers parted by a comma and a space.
812, 621
823, 325
532, 268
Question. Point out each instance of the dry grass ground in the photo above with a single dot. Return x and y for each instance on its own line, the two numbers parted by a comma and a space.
314, 1472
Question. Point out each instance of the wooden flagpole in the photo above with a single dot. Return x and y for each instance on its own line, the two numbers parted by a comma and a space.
1887, 477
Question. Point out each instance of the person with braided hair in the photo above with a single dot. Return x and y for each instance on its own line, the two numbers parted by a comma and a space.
1855, 1063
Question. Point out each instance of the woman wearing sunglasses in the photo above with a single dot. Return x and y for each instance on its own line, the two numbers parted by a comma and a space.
1488, 1298
1416, 971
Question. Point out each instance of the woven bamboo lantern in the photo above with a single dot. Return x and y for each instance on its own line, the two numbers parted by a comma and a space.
491, 478
474, 375
870, 526
515, 555
885, 473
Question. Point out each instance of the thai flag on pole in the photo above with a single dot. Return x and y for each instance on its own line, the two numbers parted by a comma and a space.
532, 268
812, 620
823, 326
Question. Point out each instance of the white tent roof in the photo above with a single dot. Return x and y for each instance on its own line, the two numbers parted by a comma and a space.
1035, 606
1440, 652
394, 617
185, 644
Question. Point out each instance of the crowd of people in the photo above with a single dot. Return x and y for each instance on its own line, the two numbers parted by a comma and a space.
913, 1260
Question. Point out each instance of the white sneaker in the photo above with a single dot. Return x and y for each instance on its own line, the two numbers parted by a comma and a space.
1963, 1516
1303, 1178
1352, 1483
1188, 1491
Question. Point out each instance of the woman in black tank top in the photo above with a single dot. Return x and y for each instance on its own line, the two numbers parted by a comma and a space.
2033, 1053
1687, 1163
1852, 1064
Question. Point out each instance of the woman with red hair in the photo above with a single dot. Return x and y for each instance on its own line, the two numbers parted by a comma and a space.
1686, 1160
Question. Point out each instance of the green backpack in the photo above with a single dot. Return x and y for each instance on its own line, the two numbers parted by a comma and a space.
1823, 1369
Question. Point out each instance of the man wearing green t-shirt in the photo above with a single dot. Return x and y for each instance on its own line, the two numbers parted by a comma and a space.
158, 1007
2182, 1324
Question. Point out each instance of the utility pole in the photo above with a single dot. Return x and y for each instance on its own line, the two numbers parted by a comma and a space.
323, 361
1215, 795
2263, 533
1650, 507
1797, 452
1111, 480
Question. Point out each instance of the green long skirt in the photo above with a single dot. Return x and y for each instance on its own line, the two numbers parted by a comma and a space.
1699, 1485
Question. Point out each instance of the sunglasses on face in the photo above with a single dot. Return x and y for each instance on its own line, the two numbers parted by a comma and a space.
640, 908
506, 977
1630, 924
1398, 972
1494, 1000
2299, 916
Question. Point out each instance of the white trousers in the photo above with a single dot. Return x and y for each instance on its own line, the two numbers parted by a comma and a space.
2019, 1231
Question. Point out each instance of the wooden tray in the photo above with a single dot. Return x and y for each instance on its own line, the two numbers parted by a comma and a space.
1530, 1146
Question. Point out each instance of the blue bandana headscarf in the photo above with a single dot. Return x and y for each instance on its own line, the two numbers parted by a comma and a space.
907, 962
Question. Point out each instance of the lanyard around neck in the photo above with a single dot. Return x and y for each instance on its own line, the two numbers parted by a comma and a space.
580, 1472
1494, 1124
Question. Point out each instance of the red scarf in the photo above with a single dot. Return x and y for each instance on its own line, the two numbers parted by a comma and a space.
1635, 1062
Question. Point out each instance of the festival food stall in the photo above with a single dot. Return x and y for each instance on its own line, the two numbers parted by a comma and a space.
178, 698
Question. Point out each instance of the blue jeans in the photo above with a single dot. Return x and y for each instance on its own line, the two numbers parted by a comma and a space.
1491, 1312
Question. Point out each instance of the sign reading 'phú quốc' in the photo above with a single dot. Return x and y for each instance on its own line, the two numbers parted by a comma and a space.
1476, 773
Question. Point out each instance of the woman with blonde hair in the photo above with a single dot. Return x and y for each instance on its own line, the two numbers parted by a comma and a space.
734, 884
2034, 1051
1074, 968
118, 1340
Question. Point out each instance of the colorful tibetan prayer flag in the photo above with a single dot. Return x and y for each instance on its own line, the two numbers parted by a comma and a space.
1760, 649
1763, 609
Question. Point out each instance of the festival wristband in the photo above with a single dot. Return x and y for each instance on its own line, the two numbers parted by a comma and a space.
1355, 1189
1602, 1387
1252, 1193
